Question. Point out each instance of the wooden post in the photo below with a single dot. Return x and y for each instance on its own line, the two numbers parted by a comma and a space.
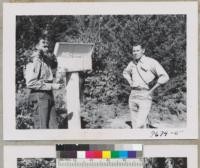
73, 101
72, 58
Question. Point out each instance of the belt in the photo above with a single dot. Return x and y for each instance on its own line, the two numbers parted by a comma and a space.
138, 88
41, 91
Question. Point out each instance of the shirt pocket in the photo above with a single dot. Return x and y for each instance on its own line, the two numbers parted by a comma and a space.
144, 68
147, 73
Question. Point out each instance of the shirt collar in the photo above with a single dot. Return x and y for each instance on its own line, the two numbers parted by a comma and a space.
142, 59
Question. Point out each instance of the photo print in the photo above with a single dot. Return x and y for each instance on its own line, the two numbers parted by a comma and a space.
36, 163
99, 71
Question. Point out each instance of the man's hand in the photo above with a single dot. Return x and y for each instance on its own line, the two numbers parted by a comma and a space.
151, 91
57, 86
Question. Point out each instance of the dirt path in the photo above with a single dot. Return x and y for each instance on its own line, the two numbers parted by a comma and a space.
121, 122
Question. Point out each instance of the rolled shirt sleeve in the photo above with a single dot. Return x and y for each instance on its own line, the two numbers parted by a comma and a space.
33, 77
160, 72
127, 73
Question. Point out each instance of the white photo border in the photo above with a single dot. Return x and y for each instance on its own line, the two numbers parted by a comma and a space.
11, 153
11, 10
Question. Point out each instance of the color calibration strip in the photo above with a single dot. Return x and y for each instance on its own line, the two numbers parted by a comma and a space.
99, 154
99, 151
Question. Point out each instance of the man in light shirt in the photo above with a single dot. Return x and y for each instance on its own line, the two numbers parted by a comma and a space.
39, 79
139, 73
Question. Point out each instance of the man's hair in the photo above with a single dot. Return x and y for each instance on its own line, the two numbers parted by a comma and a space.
139, 44
40, 38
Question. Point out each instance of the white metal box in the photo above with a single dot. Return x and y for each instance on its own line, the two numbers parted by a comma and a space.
74, 56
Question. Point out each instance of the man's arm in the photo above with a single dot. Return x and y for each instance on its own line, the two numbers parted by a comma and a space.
127, 73
153, 88
32, 78
162, 75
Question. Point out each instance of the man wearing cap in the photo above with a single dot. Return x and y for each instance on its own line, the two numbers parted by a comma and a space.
139, 73
39, 79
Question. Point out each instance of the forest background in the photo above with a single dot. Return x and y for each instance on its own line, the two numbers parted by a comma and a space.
104, 90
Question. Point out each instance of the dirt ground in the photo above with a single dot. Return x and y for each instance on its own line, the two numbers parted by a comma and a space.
109, 116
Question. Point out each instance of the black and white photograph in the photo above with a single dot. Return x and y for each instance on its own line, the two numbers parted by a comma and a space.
103, 71
36, 163
138, 79
165, 162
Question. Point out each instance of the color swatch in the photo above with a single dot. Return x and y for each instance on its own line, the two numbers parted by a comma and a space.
106, 154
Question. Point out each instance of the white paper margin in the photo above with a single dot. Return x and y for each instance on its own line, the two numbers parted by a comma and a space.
9, 23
